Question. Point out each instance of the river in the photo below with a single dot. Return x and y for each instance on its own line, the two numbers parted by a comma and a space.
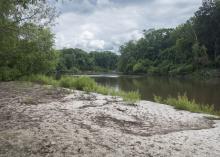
202, 91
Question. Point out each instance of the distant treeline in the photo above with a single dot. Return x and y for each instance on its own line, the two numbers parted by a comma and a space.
191, 47
77, 60
26, 45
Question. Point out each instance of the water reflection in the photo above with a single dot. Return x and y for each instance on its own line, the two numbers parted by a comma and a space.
206, 92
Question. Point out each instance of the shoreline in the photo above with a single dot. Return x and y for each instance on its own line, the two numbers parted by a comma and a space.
194, 75
46, 121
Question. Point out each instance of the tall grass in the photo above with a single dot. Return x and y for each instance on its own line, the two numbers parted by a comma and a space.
85, 84
183, 103
79, 83
41, 79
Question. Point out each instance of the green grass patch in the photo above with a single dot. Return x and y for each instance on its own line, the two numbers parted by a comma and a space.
183, 103
129, 96
85, 84
41, 79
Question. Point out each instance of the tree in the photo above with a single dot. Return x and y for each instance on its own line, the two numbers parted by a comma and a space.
200, 55
15, 13
75, 60
25, 39
106, 60
207, 26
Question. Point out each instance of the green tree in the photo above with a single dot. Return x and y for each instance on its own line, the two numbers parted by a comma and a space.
200, 55
207, 27
25, 40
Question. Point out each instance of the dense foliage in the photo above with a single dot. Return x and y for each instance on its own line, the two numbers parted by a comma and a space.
191, 47
77, 60
25, 40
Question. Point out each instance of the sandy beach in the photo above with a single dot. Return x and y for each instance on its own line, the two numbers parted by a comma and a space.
40, 120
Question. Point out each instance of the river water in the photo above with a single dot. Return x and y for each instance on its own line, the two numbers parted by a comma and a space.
202, 91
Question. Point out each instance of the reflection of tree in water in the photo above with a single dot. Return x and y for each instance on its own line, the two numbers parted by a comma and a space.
202, 91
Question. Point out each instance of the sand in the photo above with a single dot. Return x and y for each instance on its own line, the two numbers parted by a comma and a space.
44, 121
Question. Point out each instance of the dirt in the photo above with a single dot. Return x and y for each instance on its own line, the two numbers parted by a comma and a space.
38, 120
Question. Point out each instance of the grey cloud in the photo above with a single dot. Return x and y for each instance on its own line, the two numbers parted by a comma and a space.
89, 6
107, 24
131, 2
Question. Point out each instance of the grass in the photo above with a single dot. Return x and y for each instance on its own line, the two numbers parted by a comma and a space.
85, 84
183, 103
41, 79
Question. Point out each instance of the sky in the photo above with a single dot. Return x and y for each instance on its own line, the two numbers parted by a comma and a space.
104, 25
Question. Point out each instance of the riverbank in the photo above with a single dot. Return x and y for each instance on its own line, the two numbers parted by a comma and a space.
203, 74
41, 120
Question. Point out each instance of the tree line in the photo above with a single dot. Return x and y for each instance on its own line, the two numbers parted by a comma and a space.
77, 60
191, 47
26, 45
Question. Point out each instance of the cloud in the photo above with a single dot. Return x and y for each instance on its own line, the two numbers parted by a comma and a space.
107, 24
97, 44
87, 35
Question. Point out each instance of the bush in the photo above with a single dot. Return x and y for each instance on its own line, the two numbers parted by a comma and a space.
103, 90
158, 99
183, 103
9, 74
79, 83
67, 82
85, 83
153, 70
40, 79
74, 70
130, 96
139, 67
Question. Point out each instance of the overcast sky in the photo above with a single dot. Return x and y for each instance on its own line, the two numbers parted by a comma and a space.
107, 24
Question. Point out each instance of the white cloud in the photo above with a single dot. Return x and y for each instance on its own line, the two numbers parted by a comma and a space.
87, 35
103, 2
97, 44
106, 24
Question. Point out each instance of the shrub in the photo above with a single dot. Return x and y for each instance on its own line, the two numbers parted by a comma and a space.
130, 96
102, 90
182, 69
85, 83
40, 79
67, 82
158, 99
183, 103
9, 74
79, 83
139, 67
153, 70
74, 70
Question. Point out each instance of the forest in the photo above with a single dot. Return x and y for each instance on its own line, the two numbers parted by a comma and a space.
77, 60
27, 45
192, 47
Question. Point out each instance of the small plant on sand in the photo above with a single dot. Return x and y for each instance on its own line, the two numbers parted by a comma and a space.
182, 102
29, 100
132, 96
